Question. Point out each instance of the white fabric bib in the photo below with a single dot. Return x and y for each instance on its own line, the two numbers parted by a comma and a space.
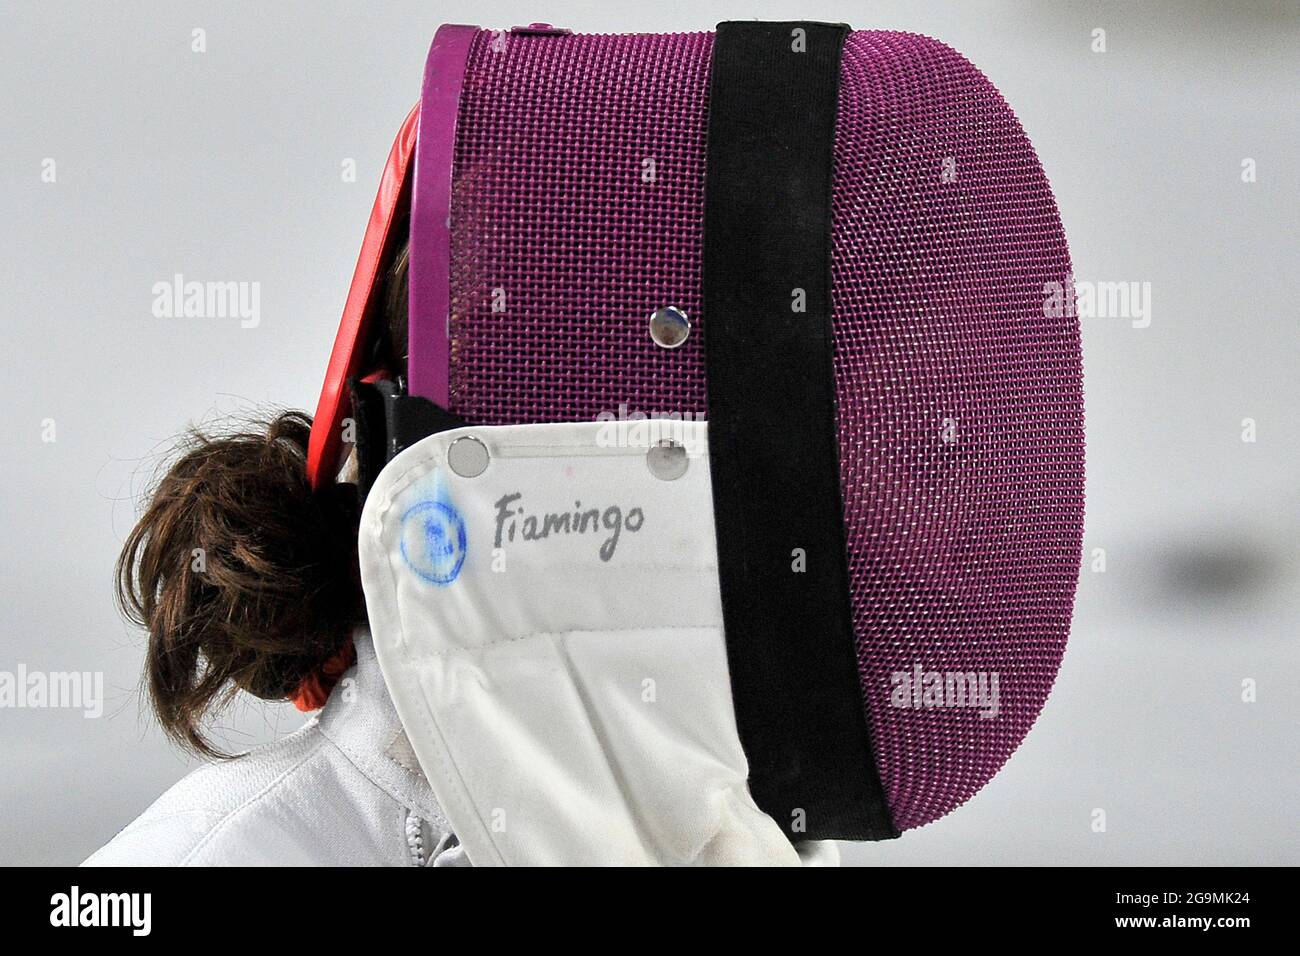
551, 633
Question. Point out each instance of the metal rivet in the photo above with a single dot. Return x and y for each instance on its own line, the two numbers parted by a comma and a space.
667, 461
669, 327
467, 457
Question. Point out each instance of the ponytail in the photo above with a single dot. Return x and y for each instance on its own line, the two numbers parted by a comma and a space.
244, 578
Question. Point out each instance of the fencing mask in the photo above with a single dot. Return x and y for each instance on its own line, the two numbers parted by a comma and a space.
739, 460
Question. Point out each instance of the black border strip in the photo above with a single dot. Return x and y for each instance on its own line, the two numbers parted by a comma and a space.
773, 443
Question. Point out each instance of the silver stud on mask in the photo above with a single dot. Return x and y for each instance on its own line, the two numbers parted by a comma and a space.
669, 327
667, 461
467, 457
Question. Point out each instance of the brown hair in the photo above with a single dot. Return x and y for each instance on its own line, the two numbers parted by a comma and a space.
243, 576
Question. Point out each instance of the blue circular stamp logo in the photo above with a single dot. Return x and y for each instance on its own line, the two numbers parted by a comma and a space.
433, 541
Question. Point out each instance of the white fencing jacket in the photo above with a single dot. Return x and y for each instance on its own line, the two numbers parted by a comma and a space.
344, 790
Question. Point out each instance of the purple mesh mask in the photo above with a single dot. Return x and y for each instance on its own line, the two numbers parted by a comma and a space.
958, 395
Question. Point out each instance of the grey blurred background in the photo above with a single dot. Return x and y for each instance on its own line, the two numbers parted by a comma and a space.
226, 165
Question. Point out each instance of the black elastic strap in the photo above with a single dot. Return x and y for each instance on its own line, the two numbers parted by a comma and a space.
773, 447
387, 422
